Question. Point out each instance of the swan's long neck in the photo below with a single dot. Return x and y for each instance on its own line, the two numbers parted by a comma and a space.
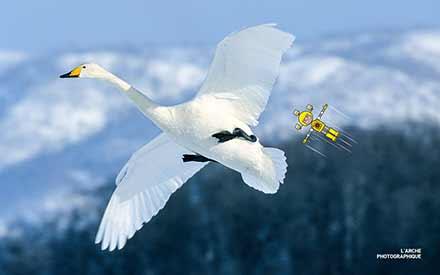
158, 114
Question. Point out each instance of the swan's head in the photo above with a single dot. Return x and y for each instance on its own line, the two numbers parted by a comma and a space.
89, 70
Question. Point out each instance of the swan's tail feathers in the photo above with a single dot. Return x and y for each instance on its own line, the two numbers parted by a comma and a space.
279, 162
268, 180
260, 184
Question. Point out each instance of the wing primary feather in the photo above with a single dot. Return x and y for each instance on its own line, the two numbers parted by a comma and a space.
144, 185
244, 70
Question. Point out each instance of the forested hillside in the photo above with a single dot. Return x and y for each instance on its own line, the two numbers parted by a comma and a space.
331, 216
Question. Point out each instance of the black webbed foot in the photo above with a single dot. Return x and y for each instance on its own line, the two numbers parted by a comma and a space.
240, 133
224, 136
196, 158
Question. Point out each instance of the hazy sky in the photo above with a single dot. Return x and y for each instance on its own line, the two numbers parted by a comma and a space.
47, 25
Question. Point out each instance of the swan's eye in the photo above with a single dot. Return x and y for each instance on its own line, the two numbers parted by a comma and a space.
84, 67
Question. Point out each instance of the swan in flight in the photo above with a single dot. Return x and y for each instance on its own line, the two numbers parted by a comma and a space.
212, 127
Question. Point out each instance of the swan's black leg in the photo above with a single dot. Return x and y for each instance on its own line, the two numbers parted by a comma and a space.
196, 158
240, 133
224, 136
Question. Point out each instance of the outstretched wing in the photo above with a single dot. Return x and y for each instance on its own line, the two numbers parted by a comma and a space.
144, 185
244, 69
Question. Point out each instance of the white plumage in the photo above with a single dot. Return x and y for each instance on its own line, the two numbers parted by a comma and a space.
234, 94
245, 67
144, 185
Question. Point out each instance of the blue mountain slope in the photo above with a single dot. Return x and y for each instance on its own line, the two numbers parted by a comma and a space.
57, 134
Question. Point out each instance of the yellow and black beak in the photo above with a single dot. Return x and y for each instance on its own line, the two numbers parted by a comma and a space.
74, 73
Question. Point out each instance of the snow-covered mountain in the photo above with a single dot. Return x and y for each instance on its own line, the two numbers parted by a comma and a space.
56, 134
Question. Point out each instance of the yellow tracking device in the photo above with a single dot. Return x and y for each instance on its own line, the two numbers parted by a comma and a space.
305, 119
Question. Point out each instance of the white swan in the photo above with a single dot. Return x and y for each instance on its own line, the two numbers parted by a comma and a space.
214, 126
